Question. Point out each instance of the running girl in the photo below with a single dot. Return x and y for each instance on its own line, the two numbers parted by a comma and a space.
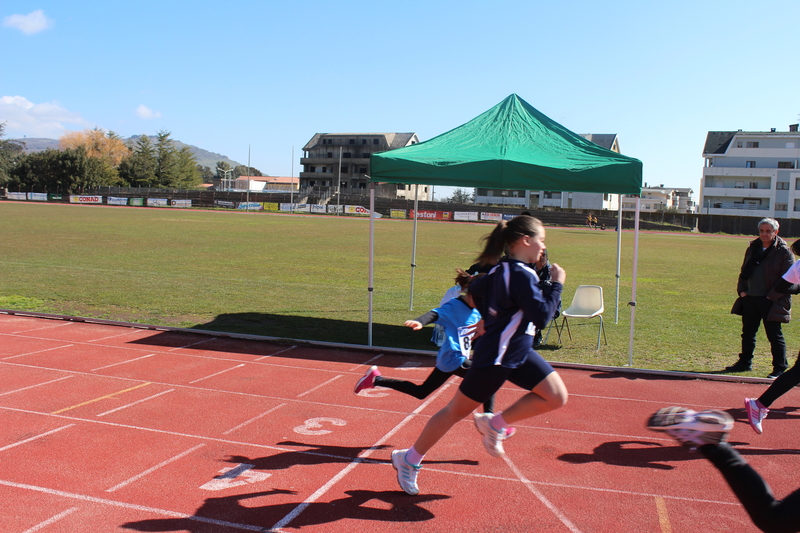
512, 306
458, 318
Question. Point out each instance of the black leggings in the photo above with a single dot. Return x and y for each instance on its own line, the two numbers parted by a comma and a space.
436, 379
781, 385
768, 514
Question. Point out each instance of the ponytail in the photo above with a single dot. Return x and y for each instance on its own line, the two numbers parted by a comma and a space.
506, 233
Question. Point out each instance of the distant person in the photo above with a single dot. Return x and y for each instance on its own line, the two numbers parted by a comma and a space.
767, 258
594, 222
509, 299
589, 220
758, 408
707, 432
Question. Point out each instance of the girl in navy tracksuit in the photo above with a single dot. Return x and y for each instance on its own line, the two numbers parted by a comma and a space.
513, 306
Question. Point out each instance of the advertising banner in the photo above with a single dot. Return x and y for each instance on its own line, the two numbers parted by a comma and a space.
397, 213
16, 196
508, 216
37, 196
76, 199
301, 208
358, 210
225, 204
494, 217
113, 200
157, 202
56, 197
250, 206
316, 208
335, 209
470, 216
136, 201
271, 206
180, 203
431, 215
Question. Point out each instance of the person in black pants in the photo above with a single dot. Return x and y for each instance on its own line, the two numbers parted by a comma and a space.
767, 258
707, 432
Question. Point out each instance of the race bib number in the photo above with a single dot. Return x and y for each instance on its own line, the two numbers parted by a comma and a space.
465, 335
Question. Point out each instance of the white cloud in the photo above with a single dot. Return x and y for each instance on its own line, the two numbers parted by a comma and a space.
33, 22
49, 119
146, 113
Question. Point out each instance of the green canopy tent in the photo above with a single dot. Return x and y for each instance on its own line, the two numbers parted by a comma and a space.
510, 146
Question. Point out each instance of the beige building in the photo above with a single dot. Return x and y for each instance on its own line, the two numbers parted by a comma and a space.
334, 162
654, 199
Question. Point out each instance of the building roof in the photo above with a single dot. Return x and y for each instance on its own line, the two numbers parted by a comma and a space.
717, 142
394, 140
606, 140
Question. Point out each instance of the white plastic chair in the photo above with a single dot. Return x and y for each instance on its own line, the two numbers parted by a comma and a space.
587, 303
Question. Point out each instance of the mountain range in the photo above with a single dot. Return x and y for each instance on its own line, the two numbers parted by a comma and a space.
203, 157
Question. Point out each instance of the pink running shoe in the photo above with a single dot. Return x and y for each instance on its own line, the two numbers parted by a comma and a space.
508, 432
368, 381
755, 413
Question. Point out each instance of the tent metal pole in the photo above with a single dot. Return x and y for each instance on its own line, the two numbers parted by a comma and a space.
619, 255
632, 303
414, 247
370, 288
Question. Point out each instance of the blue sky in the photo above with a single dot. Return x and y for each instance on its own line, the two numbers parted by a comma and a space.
267, 75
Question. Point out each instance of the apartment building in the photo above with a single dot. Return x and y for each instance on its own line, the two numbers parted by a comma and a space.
751, 173
342, 160
662, 198
539, 199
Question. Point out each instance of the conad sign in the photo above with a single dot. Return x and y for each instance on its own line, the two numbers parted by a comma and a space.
74, 199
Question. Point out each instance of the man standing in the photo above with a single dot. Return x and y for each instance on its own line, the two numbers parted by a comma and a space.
765, 261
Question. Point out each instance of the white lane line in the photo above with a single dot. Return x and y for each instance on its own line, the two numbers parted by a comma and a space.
153, 469
123, 362
34, 386
309, 391
217, 374
192, 344
38, 351
136, 402
111, 336
363, 455
113, 503
243, 424
274, 354
541, 497
367, 363
52, 520
19, 443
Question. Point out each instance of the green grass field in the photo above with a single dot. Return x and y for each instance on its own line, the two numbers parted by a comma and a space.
306, 277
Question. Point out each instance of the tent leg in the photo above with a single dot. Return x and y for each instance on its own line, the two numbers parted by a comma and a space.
632, 303
414, 248
370, 288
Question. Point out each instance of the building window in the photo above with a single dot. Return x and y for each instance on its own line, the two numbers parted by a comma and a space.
753, 185
346, 155
797, 184
739, 185
739, 144
374, 141
312, 169
363, 141
324, 170
362, 170
781, 207
343, 170
750, 164
785, 164
782, 186
330, 155
401, 187
353, 141
752, 144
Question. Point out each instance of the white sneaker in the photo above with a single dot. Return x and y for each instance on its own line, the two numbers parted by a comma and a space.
691, 428
406, 473
755, 414
492, 439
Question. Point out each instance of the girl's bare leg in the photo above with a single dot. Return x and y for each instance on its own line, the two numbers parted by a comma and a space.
548, 395
440, 423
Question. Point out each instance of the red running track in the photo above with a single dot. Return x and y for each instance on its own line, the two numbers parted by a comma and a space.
107, 428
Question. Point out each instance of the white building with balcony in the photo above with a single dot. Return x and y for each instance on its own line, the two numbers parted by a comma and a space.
751, 173
655, 199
